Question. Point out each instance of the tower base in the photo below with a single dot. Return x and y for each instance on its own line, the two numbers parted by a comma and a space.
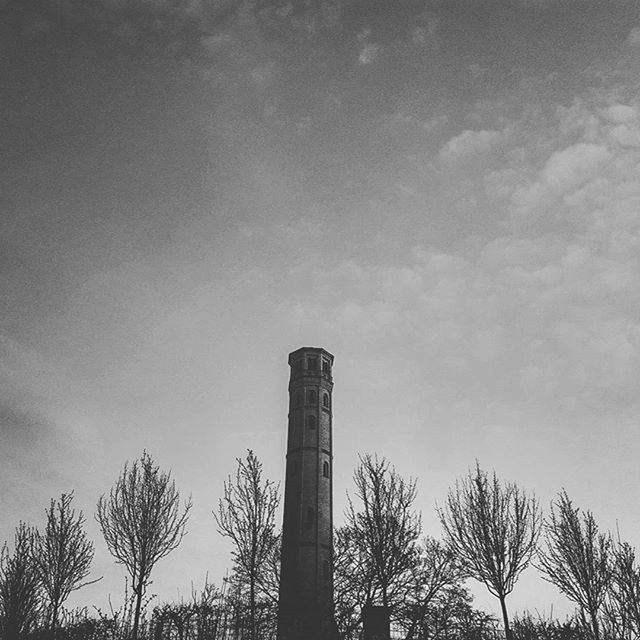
306, 624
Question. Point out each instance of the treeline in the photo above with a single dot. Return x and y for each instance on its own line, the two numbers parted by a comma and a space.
492, 531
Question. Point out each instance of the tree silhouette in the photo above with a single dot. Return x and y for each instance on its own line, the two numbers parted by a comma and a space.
384, 530
62, 555
493, 529
624, 589
351, 584
142, 522
577, 559
246, 515
436, 568
20, 589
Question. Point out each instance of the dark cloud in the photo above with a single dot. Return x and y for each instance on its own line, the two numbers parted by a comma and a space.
123, 119
12, 417
20, 424
135, 26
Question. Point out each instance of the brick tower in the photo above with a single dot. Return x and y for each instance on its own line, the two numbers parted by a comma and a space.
305, 609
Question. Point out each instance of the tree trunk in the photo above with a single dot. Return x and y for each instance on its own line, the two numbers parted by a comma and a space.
505, 617
252, 606
136, 615
54, 619
593, 614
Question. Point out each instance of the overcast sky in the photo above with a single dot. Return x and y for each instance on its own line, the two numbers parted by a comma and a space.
445, 195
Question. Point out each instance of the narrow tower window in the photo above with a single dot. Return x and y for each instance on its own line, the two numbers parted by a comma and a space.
325, 400
326, 367
312, 364
311, 397
325, 469
311, 422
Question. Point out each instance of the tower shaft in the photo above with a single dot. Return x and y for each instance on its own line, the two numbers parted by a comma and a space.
306, 581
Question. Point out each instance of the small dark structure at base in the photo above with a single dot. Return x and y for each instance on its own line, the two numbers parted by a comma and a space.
376, 625
306, 623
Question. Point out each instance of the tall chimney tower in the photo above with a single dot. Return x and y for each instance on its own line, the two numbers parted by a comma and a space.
305, 609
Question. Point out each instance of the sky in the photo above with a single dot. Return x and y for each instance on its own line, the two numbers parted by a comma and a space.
445, 194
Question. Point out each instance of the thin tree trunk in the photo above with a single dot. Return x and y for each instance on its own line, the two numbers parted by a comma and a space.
136, 615
252, 606
593, 613
54, 619
505, 617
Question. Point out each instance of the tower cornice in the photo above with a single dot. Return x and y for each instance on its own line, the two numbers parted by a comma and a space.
309, 351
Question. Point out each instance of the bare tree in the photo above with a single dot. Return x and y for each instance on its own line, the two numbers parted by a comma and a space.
62, 556
385, 529
577, 559
142, 522
351, 583
451, 616
624, 589
20, 589
493, 529
436, 568
432, 570
246, 515
269, 576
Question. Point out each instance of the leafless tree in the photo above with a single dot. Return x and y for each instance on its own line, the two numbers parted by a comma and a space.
493, 529
385, 530
20, 589
142, 522
246, 515
577, 559
351, 583
432, 570
624, 589
63, 555
436, 567
269, 576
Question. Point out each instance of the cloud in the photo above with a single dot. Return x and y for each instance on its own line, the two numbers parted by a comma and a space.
626, 136
470, 143
621, 113
369, 53
544, 313
633, 39
160, 28
585, 158
46, 439
18, 423
36, 399
543, 322
25, 372
568, 169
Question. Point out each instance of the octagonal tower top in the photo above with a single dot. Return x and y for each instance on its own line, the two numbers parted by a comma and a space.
310, 361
